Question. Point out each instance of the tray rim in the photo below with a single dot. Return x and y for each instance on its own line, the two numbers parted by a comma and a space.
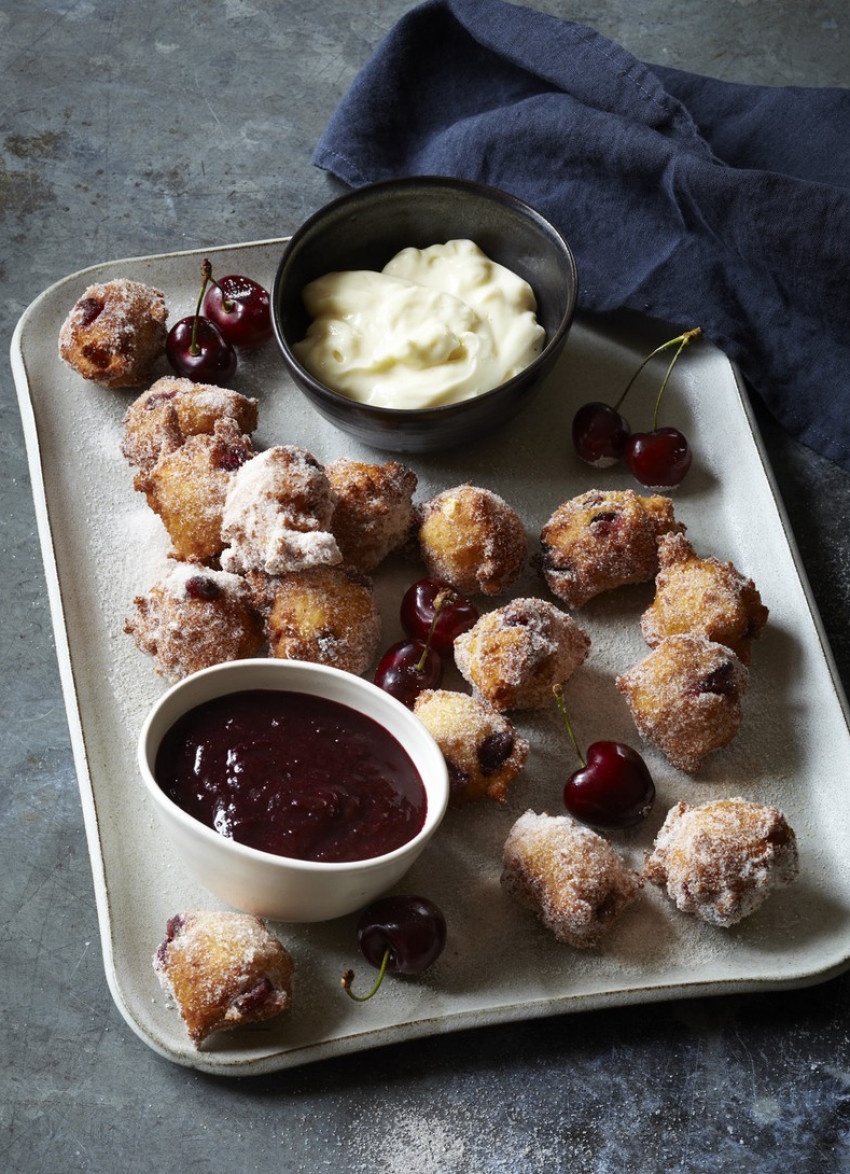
229, 1064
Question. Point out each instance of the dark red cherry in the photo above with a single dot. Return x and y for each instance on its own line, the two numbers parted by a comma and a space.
240, 308
658, 459
398, 935
407, 668
613, 789
432, 611
600, 433
197, 350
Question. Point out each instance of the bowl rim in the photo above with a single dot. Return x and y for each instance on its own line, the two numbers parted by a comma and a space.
435, 809
473, 187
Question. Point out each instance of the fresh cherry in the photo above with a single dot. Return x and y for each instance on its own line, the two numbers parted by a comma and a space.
659, 459
240, 308
613, 788
407, 668
398, 935
196, 348
600, 433
432, 611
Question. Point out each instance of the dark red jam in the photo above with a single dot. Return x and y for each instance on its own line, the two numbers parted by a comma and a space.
293, 774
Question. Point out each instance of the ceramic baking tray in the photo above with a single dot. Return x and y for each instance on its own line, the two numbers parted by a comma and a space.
102, 546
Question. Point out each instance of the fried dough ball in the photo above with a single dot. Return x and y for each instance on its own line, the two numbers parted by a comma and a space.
514, 655
685, 698
603, 539
223, 970
326, 615
483, 751
193, 618
569, 876
705, 596
473, 539
173, 409
722, 859
188, 486
277, 516
115, 333
374, 511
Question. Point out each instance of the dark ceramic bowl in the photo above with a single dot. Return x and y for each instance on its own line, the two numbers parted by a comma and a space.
363, 230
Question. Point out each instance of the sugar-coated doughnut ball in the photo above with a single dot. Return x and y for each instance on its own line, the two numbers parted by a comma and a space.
326, 615
277, 515
721, 860
513, 656
374, 511
173, 409
223, 970
188, 488
569, 876
603, 539
703, 596
195, 617
473, 539
115, 332
483, 751
685, 698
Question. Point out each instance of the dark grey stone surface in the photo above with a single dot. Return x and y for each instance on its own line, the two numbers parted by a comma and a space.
128, 129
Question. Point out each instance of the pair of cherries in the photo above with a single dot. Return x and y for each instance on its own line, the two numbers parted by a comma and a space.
658, 459
236, 314
433, 615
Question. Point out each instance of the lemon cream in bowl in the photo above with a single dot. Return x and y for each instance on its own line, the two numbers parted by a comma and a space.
434, 326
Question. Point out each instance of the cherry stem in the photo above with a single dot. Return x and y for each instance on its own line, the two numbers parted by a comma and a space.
440, 601
559, 698
682, 340
206, 271
227, 303
348, 977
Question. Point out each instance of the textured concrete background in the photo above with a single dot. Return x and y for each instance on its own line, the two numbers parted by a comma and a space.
128, 129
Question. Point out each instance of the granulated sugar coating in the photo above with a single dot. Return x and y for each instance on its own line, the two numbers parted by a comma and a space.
473, 539
115, 332
277, 515
194, 617
570, 877
514, 655
720, 860
173, 409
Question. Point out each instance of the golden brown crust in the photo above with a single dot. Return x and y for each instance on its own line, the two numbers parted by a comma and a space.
374, 513
722, 859
514, 655
193, 618
569, 876
115, 332
483, 751
685, 698
601, 540
224, 970
173, 409
703, 596
473, 539
326, 615
188, 486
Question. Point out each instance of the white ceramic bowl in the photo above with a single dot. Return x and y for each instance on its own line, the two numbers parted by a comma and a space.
278, 887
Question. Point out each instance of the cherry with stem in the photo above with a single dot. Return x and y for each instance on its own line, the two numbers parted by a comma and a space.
398, 935
196, 348
660, 458
613, 788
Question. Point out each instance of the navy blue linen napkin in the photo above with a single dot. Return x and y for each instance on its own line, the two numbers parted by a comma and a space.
695, 201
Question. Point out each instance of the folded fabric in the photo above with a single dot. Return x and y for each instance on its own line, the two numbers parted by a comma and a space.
695, 201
